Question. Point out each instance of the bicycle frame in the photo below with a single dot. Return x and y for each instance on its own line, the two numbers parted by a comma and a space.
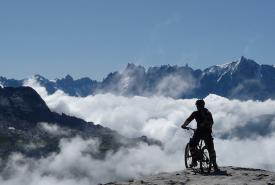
200, 144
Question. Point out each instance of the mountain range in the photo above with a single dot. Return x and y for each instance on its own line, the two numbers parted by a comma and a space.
242, 79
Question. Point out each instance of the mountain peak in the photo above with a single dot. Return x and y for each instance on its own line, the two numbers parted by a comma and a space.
132, 66
39, 77
69, 77
23, 100
245, 65
246, 61
232, 67
243, 58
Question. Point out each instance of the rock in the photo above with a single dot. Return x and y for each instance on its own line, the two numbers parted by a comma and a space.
231, 175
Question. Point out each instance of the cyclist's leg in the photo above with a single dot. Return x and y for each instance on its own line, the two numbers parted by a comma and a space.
210, 146
193, 143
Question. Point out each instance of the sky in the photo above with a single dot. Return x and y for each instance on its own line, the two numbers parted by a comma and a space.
92, 38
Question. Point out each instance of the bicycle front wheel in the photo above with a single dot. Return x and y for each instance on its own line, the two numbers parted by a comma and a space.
188, 157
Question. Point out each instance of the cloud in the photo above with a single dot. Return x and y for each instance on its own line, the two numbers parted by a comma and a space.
241, 137
257, 153
134, 80
175, 85
74, 165
53, 129
137, 115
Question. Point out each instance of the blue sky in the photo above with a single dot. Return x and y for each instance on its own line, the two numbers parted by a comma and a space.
92, 38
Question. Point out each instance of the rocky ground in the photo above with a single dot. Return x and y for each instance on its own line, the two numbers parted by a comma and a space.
228, 176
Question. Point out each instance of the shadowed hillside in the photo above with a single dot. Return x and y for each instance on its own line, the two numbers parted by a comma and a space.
29, 127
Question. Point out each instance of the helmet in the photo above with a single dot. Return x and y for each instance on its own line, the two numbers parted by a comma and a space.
200, 103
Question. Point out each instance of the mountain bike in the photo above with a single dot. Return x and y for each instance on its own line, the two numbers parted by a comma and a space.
203, 156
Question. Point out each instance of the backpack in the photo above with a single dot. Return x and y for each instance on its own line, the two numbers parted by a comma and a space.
207, 119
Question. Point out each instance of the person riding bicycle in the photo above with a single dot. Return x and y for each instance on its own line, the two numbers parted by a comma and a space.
204, 121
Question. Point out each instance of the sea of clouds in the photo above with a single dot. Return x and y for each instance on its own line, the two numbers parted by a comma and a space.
244, 134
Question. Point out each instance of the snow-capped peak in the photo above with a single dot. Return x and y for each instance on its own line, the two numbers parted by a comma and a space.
222, 69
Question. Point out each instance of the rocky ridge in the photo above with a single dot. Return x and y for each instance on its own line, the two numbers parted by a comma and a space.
229, 176
243, 79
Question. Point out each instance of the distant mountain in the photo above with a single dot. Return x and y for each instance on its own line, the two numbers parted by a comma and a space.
28, 126
243, 79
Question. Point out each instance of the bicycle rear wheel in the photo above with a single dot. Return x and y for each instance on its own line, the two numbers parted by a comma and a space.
205, 162
188, 157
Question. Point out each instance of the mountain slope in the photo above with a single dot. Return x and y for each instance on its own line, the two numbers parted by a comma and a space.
230, 176
28, 126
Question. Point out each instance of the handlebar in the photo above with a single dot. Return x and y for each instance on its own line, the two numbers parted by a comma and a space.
189, 128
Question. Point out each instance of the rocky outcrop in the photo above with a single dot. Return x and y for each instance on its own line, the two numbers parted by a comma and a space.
228, 176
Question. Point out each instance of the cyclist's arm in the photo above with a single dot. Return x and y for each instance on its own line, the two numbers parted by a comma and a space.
188, 120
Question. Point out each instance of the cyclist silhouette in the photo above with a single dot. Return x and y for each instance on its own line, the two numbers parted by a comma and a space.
204, 121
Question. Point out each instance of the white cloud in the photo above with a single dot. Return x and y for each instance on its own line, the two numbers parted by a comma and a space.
175, 85
53, 129
156, 117
72, 165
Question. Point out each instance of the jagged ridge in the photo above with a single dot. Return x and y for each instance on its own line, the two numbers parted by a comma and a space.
243, 79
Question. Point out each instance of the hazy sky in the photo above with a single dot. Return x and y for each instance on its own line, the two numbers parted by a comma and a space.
93, 38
